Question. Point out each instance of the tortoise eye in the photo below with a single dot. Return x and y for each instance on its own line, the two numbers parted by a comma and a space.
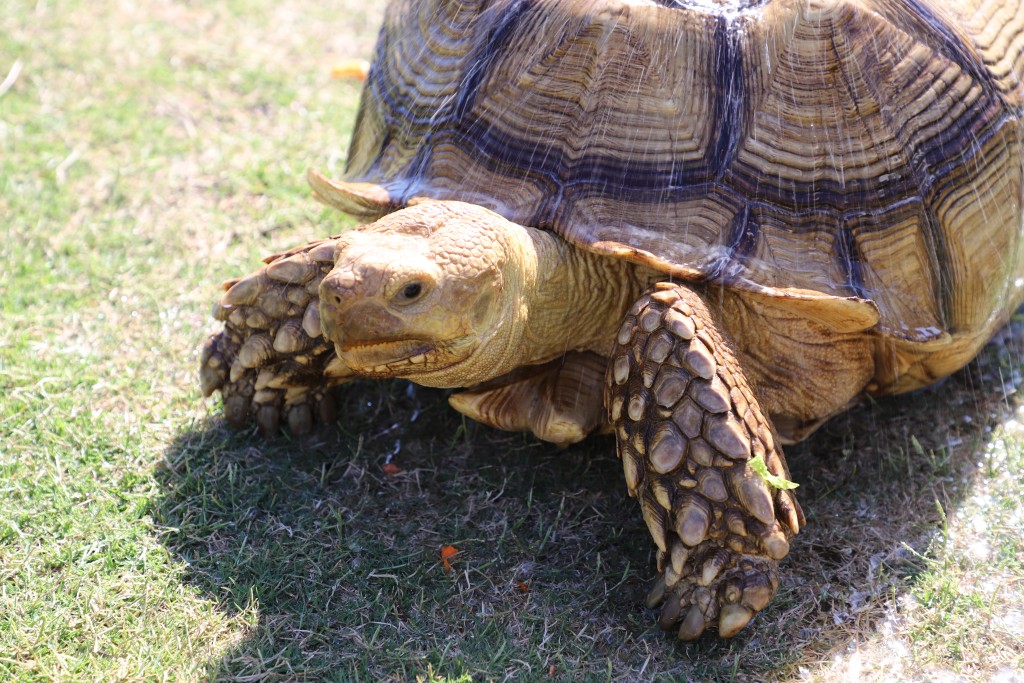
410, 293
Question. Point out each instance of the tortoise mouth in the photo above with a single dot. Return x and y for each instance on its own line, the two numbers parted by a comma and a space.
399, 357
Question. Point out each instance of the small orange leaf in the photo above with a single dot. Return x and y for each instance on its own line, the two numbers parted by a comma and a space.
551, 671
390, 468
351, 68
447, 552
523, 588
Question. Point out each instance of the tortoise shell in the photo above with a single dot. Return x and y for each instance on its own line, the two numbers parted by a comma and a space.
866, 149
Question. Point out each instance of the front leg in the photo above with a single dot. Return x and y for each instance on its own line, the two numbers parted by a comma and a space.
687, 426
271, 361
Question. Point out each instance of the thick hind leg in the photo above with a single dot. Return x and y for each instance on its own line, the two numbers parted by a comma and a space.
271, 361
560, 402
687, 427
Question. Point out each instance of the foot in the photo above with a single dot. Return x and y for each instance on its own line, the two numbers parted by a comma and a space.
271, 362
687, 428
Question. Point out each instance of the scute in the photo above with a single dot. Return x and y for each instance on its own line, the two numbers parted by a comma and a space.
861, 149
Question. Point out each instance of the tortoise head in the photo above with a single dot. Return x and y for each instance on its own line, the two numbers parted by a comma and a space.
430, 292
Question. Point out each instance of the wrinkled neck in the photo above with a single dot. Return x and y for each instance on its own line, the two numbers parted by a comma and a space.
572, 300
554, 298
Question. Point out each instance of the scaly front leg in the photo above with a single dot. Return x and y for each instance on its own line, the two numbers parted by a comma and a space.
271, 361
687, 427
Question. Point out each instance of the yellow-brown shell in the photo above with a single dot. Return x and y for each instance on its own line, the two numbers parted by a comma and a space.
857, 148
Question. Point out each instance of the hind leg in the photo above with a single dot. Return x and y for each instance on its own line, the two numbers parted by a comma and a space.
687, 428
271, 362
560, 402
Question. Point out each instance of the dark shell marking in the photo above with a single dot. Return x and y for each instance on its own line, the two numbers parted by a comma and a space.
867, 148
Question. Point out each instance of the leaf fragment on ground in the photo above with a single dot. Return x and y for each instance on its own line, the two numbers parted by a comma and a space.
351, 68
447, 552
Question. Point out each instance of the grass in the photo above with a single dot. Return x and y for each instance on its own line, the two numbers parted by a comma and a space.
149, 150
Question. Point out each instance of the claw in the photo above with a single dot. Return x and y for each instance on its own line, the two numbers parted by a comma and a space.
236, 409
693, 625
210, 379
300, 419
671, 576
657, 593
268, 420
221, 312
756, 596
669, 613
265, 380
327, 409
211, 368
732, 619
776, 544
237, 371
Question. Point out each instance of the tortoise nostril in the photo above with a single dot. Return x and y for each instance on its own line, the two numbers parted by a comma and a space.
340, 288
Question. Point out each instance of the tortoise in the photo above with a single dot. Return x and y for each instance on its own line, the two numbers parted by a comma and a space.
706, 227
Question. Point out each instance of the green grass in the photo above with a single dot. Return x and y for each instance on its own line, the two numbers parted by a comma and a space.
150, 150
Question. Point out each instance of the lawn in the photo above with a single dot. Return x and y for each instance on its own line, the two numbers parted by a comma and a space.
150, 150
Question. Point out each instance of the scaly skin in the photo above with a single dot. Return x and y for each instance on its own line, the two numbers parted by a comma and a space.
687, 424
271, 361
449, 294
494, 297
452, 295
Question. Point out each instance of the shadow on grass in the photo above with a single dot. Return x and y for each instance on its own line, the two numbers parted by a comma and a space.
336, 563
